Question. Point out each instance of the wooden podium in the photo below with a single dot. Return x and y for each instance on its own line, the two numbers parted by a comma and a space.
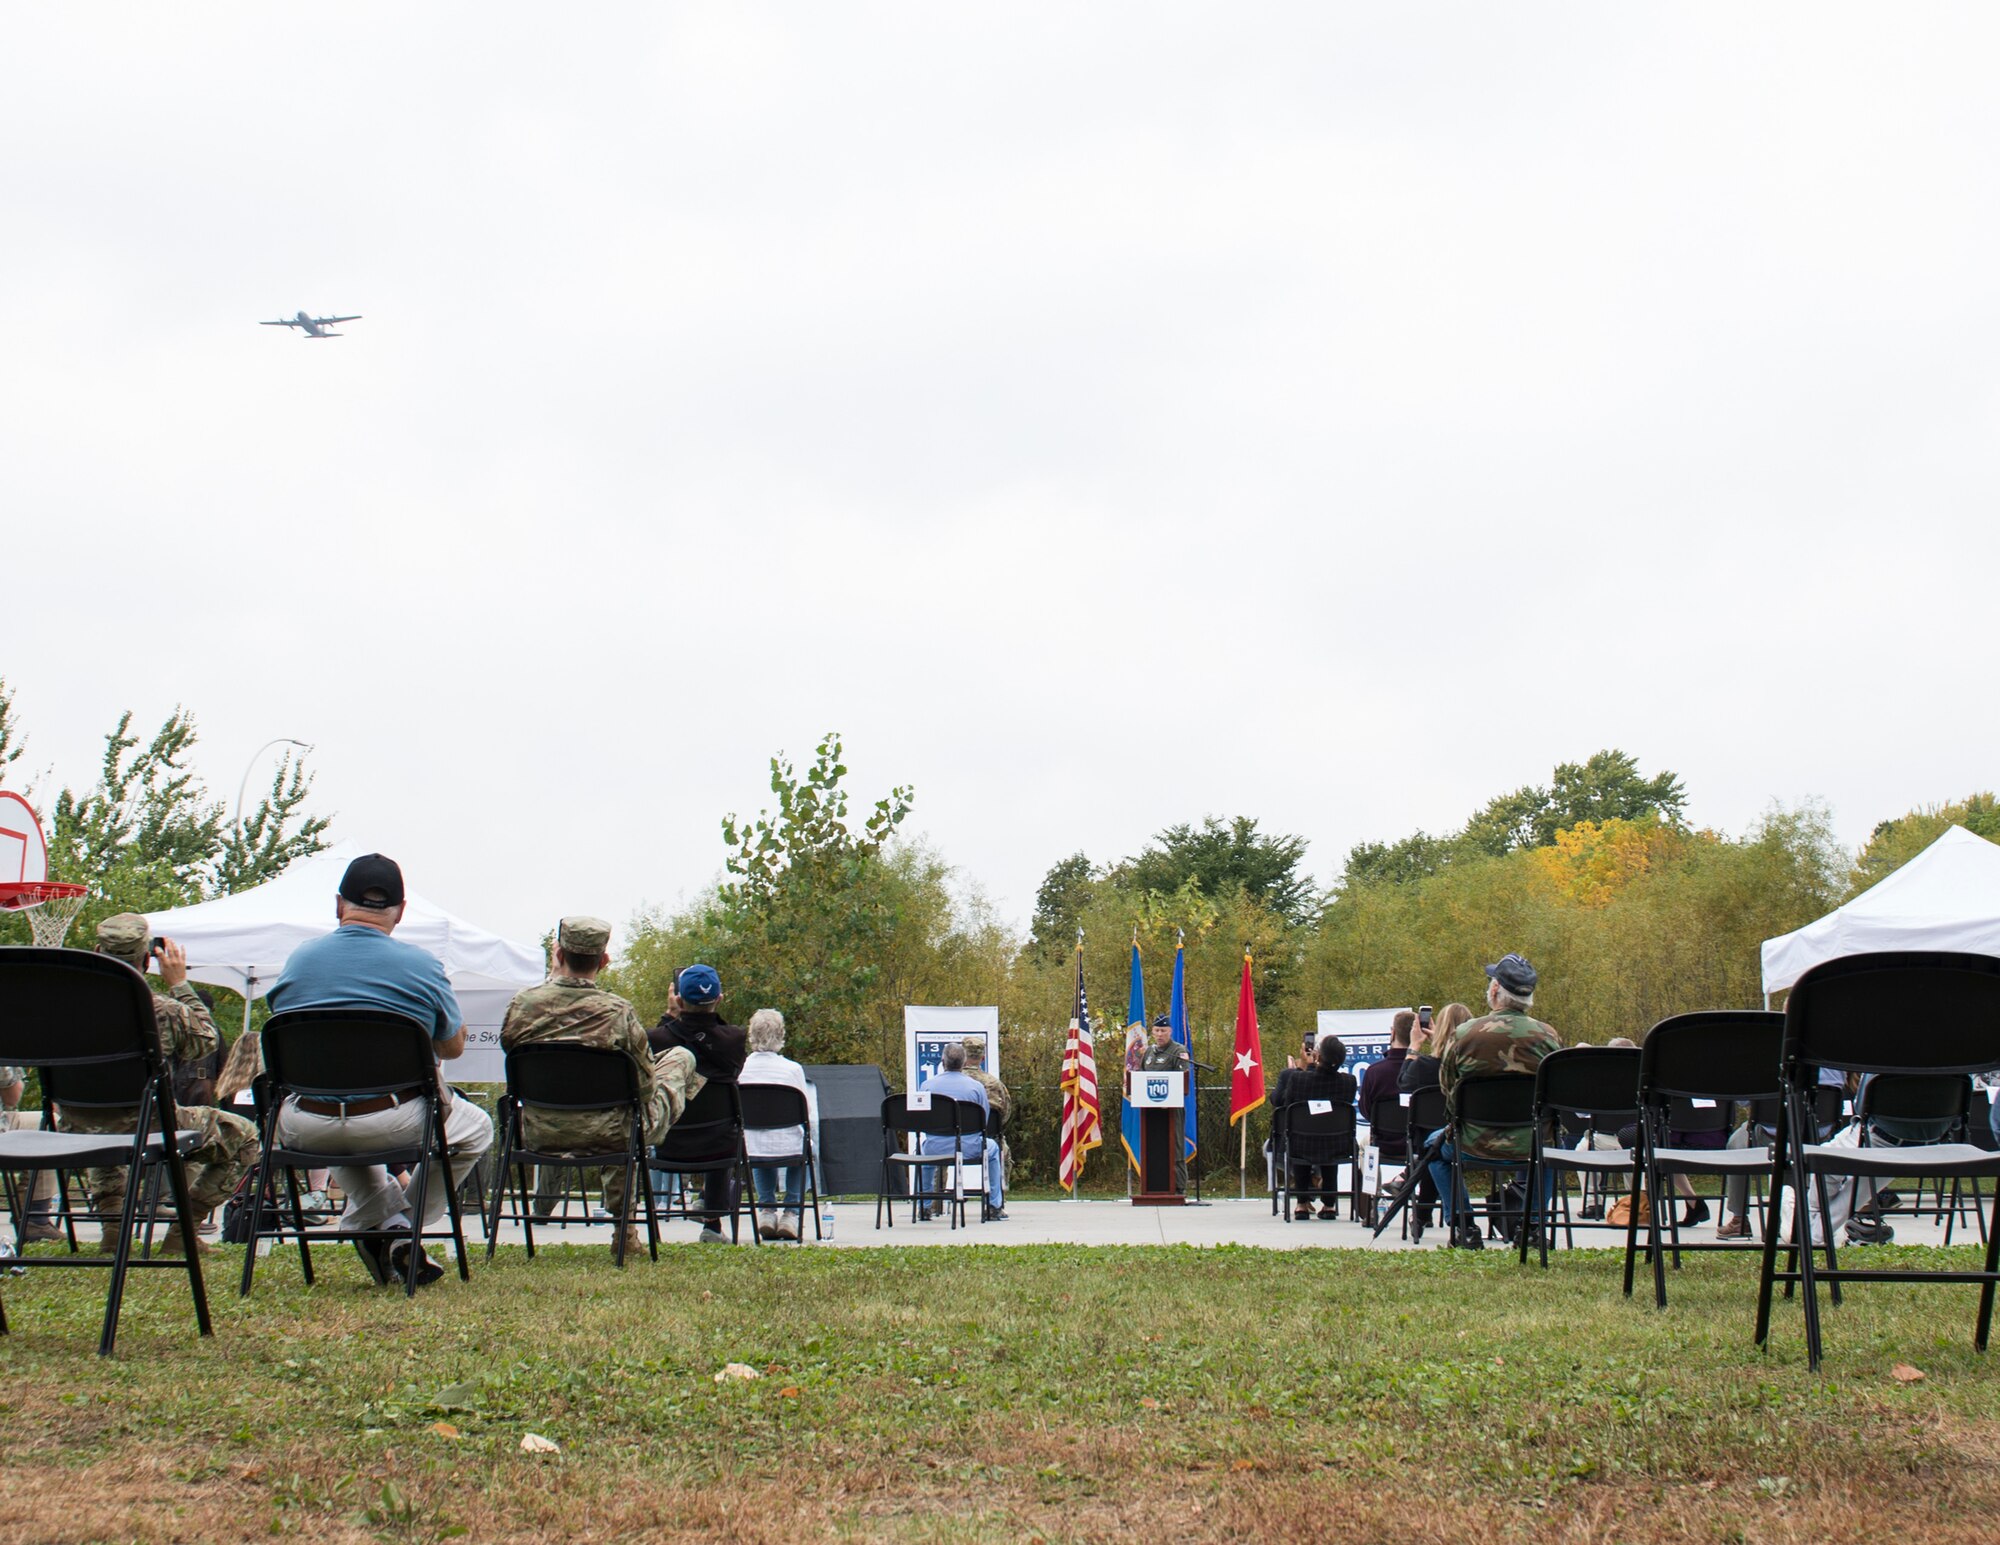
1162, 1102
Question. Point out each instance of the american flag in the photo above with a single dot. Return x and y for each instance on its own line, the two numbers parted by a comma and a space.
1082, 1127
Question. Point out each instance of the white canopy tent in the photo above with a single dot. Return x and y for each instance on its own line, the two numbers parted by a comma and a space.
1946, 898
243, 941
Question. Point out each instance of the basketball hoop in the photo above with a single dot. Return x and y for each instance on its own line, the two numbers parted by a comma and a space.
51, 906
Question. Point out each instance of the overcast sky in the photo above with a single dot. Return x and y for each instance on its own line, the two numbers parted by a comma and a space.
1102, 415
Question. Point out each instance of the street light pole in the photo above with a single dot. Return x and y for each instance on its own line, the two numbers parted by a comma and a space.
244, 787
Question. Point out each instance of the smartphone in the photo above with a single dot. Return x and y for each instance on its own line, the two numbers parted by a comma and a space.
1424, 1016
157, 948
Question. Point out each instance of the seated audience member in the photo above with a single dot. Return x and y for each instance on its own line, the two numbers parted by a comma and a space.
572, 1010
1418, 1073
1323, 1079
360, 966
777, 1189
1001, 1104
1378, 1083
1736, 1189
1859, 1200
951, 1079
39, 1225
194, 1081
694, 1022
225, 1145
1505, 1040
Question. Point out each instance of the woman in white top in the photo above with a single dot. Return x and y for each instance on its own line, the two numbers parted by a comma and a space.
767, 1065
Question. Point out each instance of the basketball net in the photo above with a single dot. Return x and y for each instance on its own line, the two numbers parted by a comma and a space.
51, 906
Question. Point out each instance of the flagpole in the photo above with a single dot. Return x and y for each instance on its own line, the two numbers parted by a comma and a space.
1243, 1129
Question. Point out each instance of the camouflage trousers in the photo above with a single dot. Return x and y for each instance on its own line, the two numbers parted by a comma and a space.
592, 1132
225, 1147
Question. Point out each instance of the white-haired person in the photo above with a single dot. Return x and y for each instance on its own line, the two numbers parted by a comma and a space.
778, 1191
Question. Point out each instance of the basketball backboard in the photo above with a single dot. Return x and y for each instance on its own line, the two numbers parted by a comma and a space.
24, 852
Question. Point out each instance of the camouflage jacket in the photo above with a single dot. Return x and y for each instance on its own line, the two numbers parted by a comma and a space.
1170, 1058
578, 1012
998, 1100
1495, 1043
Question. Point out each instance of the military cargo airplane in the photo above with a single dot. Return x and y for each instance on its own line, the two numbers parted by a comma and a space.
316, 327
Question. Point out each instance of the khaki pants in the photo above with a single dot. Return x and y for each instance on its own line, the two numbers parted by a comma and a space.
374, 1199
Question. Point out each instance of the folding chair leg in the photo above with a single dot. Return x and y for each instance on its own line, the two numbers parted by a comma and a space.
298, 1224
1985, 1325
499, 1190
1826, 1232
120, 1261
416, 1227
1767, 1272
812, 1182
527, 1212
451, 1209
1653, 1240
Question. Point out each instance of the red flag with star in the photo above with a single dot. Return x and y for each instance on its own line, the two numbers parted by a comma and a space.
1246, 1078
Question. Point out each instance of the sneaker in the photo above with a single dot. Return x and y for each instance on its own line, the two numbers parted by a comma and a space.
1591, 1212
785, 1229
713, 1236
36, 1232
1733, 1228
1887, 1201
428, 1270
993, 1215
1868, 1231
1466, 1235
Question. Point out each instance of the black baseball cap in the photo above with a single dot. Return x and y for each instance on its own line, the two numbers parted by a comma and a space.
374, 882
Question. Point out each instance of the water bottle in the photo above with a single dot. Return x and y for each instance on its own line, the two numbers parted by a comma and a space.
826, 1220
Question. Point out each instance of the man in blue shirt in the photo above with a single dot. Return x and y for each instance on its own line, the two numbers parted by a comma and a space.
359, 966
952, 1079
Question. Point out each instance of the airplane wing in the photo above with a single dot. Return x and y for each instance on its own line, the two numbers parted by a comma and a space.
328, 321
286, 323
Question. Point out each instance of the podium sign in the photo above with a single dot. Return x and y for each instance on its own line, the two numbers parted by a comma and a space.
1158, 1091
1161, 1099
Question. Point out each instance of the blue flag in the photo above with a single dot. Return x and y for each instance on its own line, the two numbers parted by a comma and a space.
1177, 1017
1135, 1014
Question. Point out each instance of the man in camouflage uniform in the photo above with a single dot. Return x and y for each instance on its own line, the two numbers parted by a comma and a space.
1505, 1040
572, 1009
225, 1145
1001, 1104
1167, 1055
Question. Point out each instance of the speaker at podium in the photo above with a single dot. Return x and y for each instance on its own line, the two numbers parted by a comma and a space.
1161, 1099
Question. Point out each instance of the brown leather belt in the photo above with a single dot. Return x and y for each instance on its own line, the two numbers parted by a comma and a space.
367, 1107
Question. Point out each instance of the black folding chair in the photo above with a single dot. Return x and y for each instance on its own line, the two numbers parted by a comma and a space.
946, 1117
1493, 1102
1935, 1099
557, 1076
86, 1022
1845, 1015
1326, 1138
1389, 1136
350, 1057
781, 1108
708, 1140
1596, 1086
1720, 1055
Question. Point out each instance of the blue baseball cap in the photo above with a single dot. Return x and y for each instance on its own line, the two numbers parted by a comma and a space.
1514, 974
698, 985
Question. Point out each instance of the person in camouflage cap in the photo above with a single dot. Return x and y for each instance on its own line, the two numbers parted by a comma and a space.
572, 1009
225, 1145
1505, 1040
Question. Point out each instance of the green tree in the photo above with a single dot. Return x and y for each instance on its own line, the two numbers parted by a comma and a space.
1060, 900
1894, 843
1218, 856
1607, 787
808, 917
146, 836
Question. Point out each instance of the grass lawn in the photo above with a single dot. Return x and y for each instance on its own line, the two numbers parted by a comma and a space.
996, 1393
